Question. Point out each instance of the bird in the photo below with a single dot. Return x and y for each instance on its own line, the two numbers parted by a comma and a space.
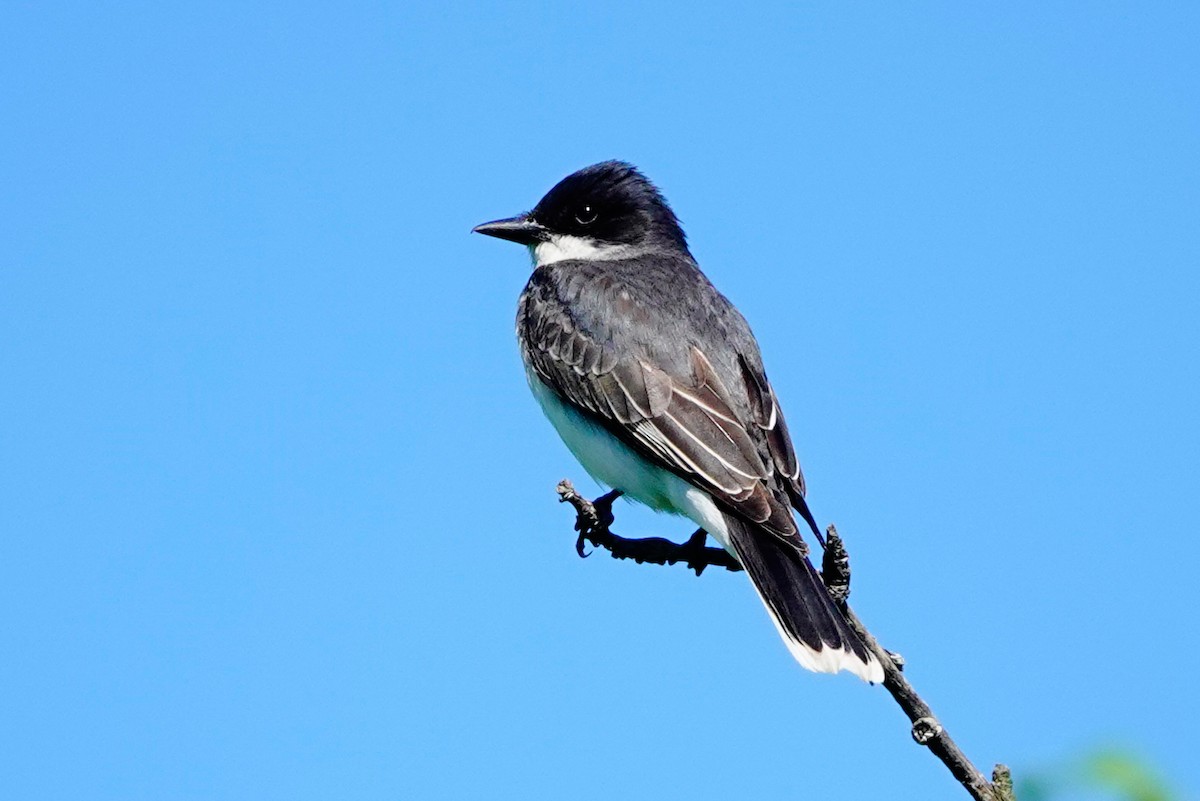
656, 384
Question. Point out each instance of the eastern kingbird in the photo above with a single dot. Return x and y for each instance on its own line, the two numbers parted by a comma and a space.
655, 382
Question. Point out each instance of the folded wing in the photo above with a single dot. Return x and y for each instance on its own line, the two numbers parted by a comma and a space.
684, 422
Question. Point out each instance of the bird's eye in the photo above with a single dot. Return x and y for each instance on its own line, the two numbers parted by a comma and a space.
586, 215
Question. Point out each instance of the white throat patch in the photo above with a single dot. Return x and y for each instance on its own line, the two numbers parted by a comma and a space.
562, 247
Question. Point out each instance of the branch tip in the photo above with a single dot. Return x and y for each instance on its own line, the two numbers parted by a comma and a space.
835, 567
1002, 784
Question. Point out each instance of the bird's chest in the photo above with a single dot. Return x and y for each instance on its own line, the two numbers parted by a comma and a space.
606, 458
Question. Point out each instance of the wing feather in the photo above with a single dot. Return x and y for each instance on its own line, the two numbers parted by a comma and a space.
769, 418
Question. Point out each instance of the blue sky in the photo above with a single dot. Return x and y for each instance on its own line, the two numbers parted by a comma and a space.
276, 510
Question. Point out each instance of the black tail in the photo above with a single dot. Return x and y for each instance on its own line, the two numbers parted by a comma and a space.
814, 630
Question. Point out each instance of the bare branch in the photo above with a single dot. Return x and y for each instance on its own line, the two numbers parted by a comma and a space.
593, 520
926, 729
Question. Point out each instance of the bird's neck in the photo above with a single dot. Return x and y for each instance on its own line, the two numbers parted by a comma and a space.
563, 247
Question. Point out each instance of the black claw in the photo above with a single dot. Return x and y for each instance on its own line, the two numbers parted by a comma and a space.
580, 545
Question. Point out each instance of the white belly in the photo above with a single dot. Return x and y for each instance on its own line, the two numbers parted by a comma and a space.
614, 464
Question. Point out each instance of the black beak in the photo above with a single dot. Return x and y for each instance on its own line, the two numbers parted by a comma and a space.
521, 230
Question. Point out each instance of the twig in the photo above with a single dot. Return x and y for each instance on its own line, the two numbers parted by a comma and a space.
593, 520
926, 729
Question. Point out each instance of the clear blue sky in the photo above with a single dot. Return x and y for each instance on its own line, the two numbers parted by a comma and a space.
276, 510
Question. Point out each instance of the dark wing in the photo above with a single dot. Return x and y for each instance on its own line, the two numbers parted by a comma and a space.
685, 422
769, 418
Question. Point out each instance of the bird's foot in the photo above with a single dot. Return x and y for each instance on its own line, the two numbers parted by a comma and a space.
593, 521
693, 553
603, 508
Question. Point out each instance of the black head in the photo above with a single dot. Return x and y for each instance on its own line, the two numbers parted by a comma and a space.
610, 203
